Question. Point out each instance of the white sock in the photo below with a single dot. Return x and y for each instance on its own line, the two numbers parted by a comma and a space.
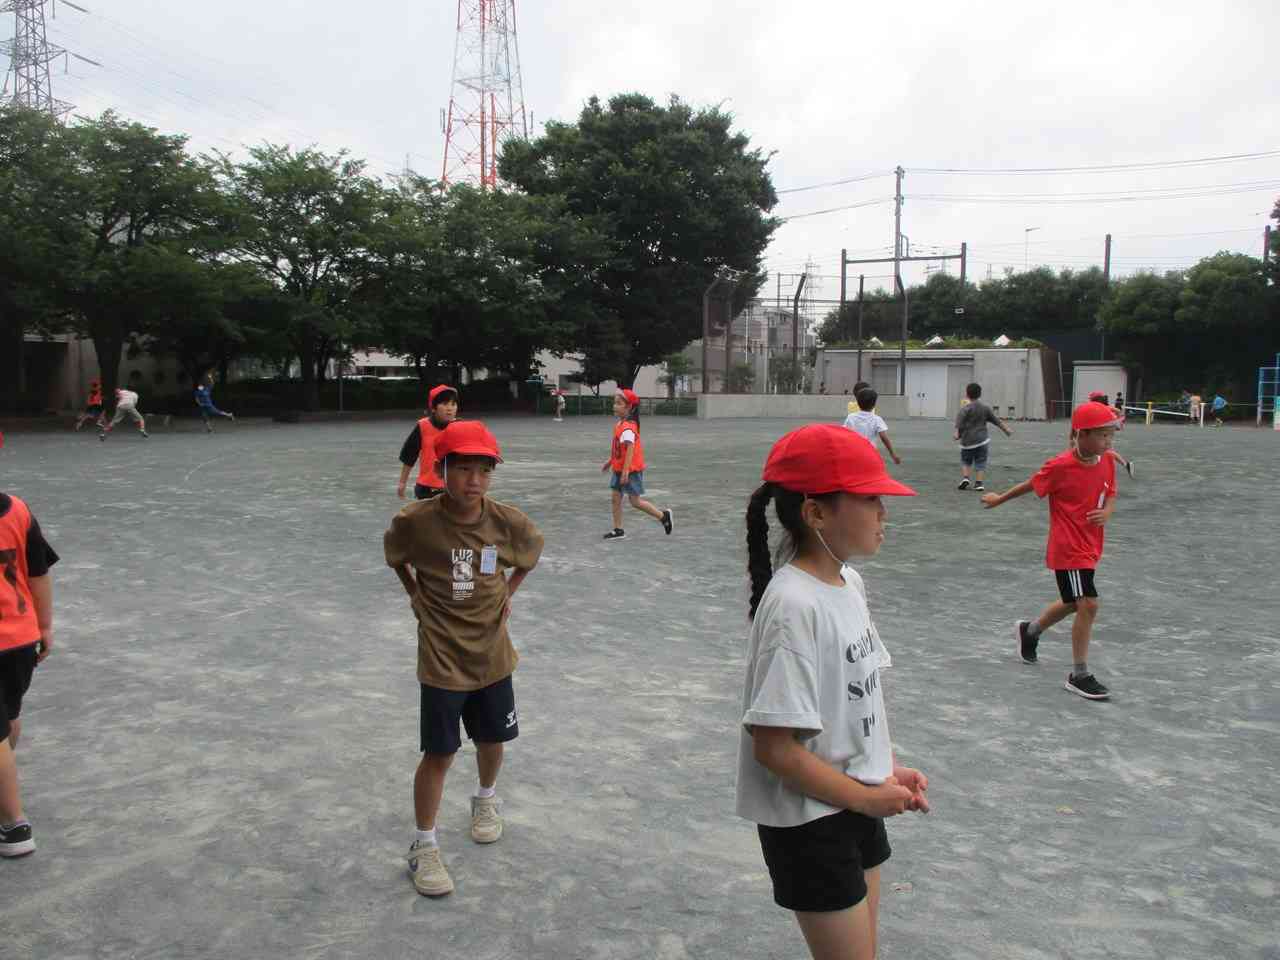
427, 837
486, 793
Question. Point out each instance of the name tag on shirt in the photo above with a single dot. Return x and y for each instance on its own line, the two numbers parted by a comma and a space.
488, 560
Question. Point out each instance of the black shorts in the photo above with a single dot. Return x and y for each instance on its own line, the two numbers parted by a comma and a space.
819, 866
489, 714
16, 667
1074, 584
426, 493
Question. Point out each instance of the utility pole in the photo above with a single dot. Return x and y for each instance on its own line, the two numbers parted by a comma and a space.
897, 274
795, 331
1106, 283
861, 277
1266, 246
486, 99
844, 254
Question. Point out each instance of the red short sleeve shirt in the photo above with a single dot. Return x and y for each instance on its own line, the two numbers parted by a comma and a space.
1074, 488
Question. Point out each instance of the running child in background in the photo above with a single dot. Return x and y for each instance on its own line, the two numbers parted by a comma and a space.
452, 553
1219, 404
26, 638
93, 409
560, 404
126, 406
816, 769
419, 446
971, 431
1081, 487
204, 400
1099, 397
626, 460
868, 423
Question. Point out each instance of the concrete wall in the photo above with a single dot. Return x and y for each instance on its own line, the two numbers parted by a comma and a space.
1012, 378
66, 385
828, 409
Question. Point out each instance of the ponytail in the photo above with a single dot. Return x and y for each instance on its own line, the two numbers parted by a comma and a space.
759, 564
787, 505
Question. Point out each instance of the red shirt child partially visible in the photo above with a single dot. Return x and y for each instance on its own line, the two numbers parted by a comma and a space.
1074, 488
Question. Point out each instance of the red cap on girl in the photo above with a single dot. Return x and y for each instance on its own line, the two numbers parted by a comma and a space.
824, 458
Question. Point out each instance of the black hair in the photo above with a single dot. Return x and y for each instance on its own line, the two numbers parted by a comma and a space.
450, 458
867, 398
860, 386
973, 391
787, 504
444, 396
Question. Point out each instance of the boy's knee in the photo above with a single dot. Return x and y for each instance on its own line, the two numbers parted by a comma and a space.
633, 499
437, 761
1087, 606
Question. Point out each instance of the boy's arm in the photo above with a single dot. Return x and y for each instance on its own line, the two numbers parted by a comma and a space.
884, 438
778, 751
42, 594
992, 418
405, 573
404, 479
626, 461
991, 500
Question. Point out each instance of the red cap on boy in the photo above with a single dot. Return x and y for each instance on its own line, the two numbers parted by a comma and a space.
629, 396
469, 438
437, 390
1092, 415
825, 458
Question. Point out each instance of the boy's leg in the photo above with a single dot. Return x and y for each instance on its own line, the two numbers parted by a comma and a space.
428, 788
839, 934
488, 763
644, 506
1082, 628
10, 800
617, 509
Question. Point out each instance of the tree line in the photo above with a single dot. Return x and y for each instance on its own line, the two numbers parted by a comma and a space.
601, 243
1214, 323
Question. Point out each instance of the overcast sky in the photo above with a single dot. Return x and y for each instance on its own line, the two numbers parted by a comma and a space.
833, 90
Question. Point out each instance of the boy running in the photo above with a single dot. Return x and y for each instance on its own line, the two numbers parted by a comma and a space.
451, 554
419, 446
1081, 487
868, 423
126, 406
971, 431
26, 638
204, 400
93, 408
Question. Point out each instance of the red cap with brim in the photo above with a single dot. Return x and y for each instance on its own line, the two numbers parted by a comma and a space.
824, 458
1092, 415
467, 438
437, 390
1098, 396
629, 396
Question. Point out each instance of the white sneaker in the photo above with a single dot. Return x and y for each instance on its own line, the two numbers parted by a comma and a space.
486, 823
430, 878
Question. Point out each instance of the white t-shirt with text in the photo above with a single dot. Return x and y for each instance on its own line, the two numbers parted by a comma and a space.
866, 422
813, 664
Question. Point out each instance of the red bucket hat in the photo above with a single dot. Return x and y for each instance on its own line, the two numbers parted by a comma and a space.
824, 458
1092, 415
469, 438
630, 396
437, 390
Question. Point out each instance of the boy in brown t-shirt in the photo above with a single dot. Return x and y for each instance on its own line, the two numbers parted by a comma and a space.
451, 554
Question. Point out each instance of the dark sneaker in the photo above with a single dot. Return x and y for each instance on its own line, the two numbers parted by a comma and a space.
1129, 468
16, 841
103, 436
615, 534
1087, 687
668, 521
144, 433
979, 486
964, 484
1026, 644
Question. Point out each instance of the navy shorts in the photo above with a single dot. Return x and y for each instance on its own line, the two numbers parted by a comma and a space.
1074, 584
821, 865
16, 667
634, 485
489, 715
975, 457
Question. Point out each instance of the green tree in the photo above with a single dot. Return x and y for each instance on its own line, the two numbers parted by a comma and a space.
304, 219
675, 194
741, 377
675, 368
145, 207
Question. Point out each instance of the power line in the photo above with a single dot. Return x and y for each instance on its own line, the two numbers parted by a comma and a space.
1116, 196
837, 183
850, 206
1101, 168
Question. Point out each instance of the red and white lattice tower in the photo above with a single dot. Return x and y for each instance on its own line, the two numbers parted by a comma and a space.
29, 53
486, 104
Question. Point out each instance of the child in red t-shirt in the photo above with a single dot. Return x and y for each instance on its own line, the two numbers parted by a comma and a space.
626, 459
1081, 487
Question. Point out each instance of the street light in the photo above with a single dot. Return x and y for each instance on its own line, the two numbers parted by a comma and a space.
1026, 247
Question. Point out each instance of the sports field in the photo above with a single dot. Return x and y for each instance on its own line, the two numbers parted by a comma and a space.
217, 758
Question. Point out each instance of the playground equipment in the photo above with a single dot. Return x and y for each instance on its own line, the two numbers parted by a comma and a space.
1269, 393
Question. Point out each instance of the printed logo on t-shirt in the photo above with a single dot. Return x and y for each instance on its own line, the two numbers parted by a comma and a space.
859, 688
463, 573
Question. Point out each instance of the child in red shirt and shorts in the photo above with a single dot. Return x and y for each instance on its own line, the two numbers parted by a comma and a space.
1081, 487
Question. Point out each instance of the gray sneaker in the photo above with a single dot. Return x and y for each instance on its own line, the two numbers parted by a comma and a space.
430, 878
486, 823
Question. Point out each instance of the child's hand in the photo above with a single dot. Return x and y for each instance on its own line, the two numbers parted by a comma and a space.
917, 783
897, 460
400, 490
605, 468
46, 645
622, 477
1098, 517
886, 800
990, 500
